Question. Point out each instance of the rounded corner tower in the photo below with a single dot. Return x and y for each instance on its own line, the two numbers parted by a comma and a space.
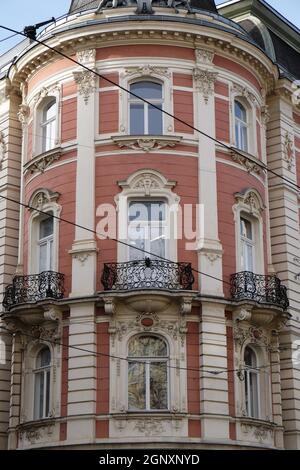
157, 340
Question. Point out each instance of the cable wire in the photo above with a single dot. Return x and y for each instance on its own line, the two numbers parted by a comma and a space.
129, 359
228, 147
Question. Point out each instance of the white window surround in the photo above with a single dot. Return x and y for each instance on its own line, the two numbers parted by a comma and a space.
177, 381
41, 100
31, 352
252, 384
43, 200
251, 122
42, 383
250, 206
162, 77
148, 185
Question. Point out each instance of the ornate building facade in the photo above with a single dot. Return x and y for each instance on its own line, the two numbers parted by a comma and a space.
185, 334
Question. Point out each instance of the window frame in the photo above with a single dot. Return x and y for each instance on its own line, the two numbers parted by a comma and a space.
46, 124
133, 100
248, 372
148, 225
247, 242
46, 241
238, 122
133, 74
249, 105
42, 371
148, 360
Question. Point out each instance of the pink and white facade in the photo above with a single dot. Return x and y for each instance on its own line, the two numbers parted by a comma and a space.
101, 347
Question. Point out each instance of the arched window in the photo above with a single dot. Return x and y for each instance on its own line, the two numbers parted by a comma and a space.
143, 118
247, 234
48, 125
42, 384
147, 373
241, 126
251, 383
147, 228
45, 244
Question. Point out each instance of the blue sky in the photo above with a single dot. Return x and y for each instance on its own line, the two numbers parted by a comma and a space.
19, 13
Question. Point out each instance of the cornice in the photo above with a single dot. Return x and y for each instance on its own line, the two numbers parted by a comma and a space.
126, 33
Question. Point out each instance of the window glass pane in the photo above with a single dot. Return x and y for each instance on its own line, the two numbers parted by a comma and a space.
253, 394
155, 119
50, 111
147, 211
138, 211
39, 395
147, 90
137, 124
240, 111
157, 240
47, 404
249, 258
136, 238
43, 264
250, 358
244, 138
147, 346
158, 386
46, 227
237, 136
136, 386
246, 228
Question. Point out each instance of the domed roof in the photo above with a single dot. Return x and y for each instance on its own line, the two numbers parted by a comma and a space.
83, 5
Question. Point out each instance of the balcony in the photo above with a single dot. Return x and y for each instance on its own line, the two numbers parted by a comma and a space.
258, 288
34, 288
147, 274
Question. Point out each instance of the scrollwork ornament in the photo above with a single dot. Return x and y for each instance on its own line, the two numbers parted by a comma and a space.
2, 148
86, 82
205, 81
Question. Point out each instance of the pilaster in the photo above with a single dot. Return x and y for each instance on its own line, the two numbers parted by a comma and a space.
84, 250
209, 246
82, 373
213, 373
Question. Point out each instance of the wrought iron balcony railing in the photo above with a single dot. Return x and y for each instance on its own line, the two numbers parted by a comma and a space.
33, 288
261, 289
147, 274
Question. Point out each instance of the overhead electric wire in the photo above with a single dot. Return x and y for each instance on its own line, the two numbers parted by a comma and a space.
264, 167
85, 67
133, 359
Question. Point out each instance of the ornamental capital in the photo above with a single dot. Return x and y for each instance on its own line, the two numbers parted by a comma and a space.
205, 81
86, 83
